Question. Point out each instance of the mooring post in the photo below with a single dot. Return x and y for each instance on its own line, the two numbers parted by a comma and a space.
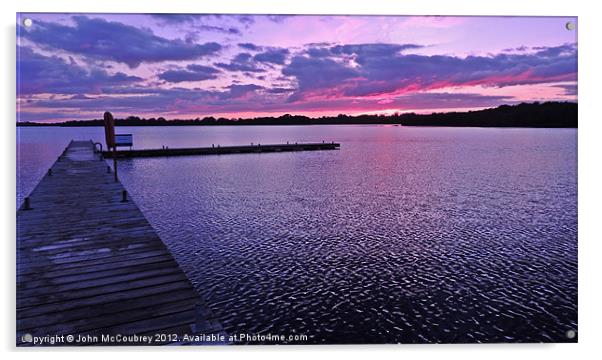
50, 172
26, 204
115, 163
124, 196
108, 169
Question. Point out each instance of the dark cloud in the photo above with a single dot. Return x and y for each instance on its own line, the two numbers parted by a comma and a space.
278, 18
372, 50
279, 90
384, 68
246, 19
318, 52
249, 46
193, 21
569, 89
175, 18
226, 30
520, 49
273, 56
104, 40
241, 62
555, 51
37, 74
239, 91
317, 74
193, 72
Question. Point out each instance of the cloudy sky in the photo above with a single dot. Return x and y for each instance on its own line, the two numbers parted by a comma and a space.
76, 66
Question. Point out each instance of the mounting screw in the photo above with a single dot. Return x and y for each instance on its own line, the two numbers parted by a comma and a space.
570, 25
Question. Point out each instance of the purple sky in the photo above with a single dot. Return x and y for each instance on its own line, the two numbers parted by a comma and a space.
73, 66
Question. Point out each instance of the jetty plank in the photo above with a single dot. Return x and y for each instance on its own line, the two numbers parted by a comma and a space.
90, 264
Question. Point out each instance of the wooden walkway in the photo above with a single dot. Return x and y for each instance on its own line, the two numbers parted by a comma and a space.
222, 150
90, 264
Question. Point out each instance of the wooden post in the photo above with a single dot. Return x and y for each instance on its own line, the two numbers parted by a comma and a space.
109, 124
115, 163
26, 204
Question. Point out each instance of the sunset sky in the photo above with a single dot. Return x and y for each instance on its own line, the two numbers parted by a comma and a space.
72, 66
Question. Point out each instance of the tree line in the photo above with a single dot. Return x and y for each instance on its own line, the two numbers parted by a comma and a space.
538, 115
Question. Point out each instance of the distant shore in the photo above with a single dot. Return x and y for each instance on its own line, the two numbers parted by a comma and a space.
531, 115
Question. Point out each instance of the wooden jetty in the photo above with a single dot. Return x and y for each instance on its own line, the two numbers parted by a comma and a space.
90, 264
216, 150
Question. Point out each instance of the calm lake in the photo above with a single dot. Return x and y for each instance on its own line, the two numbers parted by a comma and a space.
405, 234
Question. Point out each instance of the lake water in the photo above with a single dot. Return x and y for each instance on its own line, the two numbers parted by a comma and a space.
405, 234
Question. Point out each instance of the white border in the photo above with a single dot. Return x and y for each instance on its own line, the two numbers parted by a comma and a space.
590, 132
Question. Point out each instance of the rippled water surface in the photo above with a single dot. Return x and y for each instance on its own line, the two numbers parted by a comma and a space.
403, 235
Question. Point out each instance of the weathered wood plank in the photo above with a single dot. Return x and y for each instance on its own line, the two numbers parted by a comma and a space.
92, 268
53, 321
36, 268
85, 279
85, 287
75, 295
91, 302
